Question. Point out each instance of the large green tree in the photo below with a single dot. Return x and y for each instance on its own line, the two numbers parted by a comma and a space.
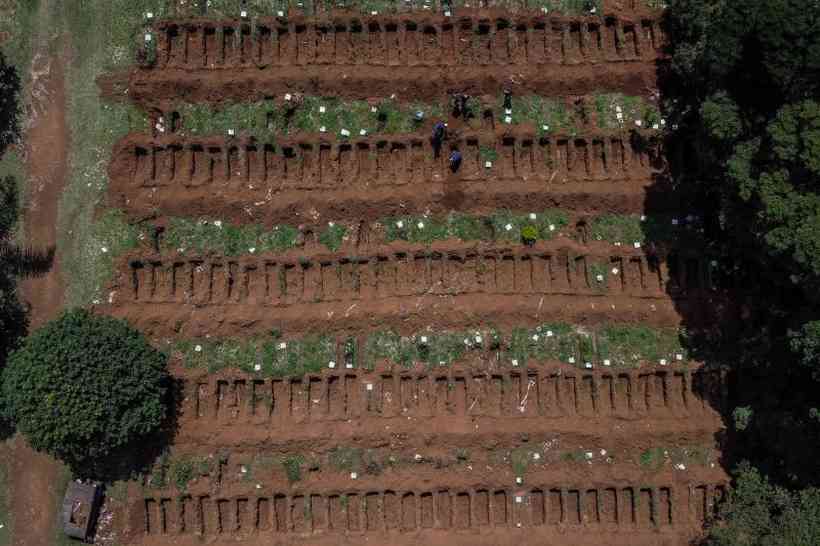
743, 88
84, 388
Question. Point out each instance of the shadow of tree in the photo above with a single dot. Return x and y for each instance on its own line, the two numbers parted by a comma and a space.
9, 104
735, 312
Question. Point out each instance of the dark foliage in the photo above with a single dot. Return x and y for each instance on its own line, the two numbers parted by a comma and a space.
84, 387
743, 92
9, 91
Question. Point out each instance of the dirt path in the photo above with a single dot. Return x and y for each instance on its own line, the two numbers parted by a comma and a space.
47, 158
34, 476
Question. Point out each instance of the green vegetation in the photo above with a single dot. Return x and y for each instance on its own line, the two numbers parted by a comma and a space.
759, 513
232, 8
202, 235
104, 38
273, 356
333, 236
501, 225
83, 388
680, 457
293, 467
183, 234
269, 357
616, 110
744, 94
268, 119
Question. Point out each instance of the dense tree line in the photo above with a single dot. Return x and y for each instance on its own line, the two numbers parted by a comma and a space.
743, 88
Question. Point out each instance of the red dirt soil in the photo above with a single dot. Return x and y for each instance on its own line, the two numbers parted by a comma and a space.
244, 181
421, 416
33, 476
406, 286
481, 53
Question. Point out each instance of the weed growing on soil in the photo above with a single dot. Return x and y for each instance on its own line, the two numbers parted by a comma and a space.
617, 228
502, 225
430, 349
521, 458
488, 153
184, 234
618, 346
104, 38
19, 24
185, 469
12, 170
598, 275
310, 354
655, 458
265, 120
627, 346
231, 8
578, 457
346, 459
333, 236
548, 115
293, 467
615, 110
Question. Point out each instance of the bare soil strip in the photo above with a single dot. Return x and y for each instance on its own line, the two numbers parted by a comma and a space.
167, 294
405, 41
162, 89
543, 508
240, 178
233, 407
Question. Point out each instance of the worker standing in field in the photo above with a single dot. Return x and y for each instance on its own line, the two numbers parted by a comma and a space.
439, 134
455, 160
460, 105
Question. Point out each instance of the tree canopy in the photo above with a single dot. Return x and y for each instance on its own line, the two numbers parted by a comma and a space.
743, 89
84, 387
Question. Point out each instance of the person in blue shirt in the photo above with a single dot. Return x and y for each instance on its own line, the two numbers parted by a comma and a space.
455, 160
439, 134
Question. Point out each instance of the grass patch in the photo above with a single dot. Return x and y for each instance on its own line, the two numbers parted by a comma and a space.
272, 356
578, 457
615, 111
502, 225
265, 357
429, 349
333, 236
231, 8
293, 467
268, 119
202, 235
104, 37
655, 458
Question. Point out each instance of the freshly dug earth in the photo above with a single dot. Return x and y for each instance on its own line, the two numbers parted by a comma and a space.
624, 456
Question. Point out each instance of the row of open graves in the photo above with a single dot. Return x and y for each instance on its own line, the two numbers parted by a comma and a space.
526, 393
617, 507
404, 42
382, 161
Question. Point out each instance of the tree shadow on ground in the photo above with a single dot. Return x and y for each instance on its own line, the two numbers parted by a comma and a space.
9, 104
730, 308
137, 458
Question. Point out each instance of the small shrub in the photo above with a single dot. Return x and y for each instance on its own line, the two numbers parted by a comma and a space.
529, 234
742, 416
293, 467
333, 236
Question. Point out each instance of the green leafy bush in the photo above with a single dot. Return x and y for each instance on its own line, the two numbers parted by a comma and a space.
529, 234
759, 513
83, 387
